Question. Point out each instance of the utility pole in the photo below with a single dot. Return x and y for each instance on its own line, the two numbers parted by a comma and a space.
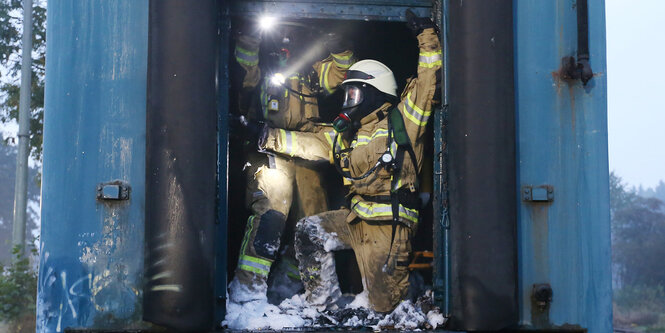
21, 188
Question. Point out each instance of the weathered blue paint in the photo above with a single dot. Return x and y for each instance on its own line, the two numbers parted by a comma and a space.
92, 252
562, 141
91, 265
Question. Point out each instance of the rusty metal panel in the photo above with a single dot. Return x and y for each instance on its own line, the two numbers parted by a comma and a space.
564, 243
91, 264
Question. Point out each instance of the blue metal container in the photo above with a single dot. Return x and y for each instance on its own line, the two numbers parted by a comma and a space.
94, 174
564, 241
91, 265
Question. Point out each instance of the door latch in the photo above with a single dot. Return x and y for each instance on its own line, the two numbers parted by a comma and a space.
542, 193
115, 190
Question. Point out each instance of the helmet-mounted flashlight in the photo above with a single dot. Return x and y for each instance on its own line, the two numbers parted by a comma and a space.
267, 22
277, 79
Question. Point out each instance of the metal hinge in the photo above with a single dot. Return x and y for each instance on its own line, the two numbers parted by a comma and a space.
114, 190
542, 193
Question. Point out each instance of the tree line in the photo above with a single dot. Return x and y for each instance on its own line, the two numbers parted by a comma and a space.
638, 253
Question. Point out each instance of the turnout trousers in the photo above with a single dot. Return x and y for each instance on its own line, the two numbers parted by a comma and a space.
272, 185
319, 235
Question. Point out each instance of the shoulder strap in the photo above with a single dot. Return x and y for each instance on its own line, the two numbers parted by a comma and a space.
401, 137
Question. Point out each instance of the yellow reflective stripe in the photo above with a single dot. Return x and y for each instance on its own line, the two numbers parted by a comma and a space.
374, 210
414, 113
432, 65
246, 51
289, 142
362, 142
429, 59
343, 61
329, 137
364, 139
340, 143
246, 57
259, 261
254, 264
283, 146
379, 133
250, 226
254, 270
398, 185
292, 270
324, 78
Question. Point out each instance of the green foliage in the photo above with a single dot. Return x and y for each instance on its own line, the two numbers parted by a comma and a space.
18, 292
620, 196
640, 306
657, 192
638, 242
638, 249
10, 55
641, 295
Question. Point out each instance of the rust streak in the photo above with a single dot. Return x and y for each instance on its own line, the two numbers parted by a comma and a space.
571, 92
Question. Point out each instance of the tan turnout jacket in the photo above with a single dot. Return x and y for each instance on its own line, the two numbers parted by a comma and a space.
371, 141
294, 112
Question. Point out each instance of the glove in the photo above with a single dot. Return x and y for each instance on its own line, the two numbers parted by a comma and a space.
418, 24
334, 43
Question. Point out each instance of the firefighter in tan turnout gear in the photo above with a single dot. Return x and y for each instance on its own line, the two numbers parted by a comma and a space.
288, 101
377, 145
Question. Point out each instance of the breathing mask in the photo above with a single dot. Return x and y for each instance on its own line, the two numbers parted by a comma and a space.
360, 99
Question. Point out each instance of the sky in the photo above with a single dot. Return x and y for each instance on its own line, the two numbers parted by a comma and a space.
636, 89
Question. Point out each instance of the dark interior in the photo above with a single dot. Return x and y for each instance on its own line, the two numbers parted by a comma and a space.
391, 43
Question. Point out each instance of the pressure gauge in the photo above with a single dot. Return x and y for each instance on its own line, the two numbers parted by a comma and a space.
386, 158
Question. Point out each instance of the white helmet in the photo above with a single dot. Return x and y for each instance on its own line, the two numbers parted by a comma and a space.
373, 73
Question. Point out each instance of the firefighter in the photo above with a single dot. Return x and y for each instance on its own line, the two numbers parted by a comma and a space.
377, 144
287, 99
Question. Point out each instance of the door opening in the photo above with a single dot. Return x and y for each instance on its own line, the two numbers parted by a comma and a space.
391, 43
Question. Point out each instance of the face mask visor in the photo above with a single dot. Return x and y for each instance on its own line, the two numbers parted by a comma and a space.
353, 96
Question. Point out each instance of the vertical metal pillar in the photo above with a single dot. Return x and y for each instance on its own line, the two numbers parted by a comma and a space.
21, 188
221, 234
565, 241
181, 158
91, 263
482, 166
441, 216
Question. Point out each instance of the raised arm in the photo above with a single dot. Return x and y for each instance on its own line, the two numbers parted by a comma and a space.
247, 55
416, 100
331, 70
311, 146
